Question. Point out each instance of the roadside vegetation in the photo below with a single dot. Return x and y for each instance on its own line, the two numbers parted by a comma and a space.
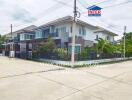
129, 44
102, 49
2, 40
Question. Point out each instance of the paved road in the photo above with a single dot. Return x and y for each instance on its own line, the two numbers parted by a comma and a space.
27, 80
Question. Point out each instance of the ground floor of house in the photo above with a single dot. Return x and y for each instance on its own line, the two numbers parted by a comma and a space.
27, 47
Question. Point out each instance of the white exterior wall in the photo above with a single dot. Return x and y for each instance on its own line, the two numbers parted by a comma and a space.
13, 35
104, 35
90, 35
64, 36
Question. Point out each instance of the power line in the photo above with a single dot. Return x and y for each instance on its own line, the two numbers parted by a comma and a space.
114, 5
63, 3
55, 7
118, 4
48, 11
105, 25
110, 26
95, 3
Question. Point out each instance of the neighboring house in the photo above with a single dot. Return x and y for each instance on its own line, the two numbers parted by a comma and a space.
105, 34
118, 41
15, 39
61, 31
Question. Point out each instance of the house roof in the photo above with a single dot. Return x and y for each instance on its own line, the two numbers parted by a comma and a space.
57, 21
64, 20
70, 19
26, 29
94, 7
101, 29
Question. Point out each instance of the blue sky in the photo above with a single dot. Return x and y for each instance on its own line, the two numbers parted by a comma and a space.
22, 13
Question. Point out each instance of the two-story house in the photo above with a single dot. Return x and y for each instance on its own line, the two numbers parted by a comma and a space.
15, 41
61, 31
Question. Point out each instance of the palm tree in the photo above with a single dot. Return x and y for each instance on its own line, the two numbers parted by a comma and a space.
103, 46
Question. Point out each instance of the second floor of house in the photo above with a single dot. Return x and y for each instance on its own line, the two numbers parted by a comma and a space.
63, 30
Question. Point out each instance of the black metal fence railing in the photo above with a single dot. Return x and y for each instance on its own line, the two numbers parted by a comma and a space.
64, 57
52, 56
95, 56
78, 57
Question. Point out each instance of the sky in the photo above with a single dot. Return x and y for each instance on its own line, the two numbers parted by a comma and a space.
21, 13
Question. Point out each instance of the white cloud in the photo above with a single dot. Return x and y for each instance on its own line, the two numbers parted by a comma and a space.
26, 12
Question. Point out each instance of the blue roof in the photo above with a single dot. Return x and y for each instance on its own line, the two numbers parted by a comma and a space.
94, 7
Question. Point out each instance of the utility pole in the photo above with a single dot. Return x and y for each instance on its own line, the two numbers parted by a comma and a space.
11, 45
11, 36
124, 42
75, 10
74, 35
11, 31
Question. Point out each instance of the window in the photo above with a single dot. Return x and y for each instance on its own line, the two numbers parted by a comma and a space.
77, 49
108, 38
55, 33
52, 29
63, 29
30, 46
29, 36
57, 30
38, 34
71, 29
82, 30
97, 37
60, 30
22, 36
46, 33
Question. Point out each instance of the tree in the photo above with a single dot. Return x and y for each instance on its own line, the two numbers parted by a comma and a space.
62, 53
104, 46
2, 40
129, 44
47, 47
86, 51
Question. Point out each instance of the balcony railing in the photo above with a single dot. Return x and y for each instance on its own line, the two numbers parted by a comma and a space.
55, 34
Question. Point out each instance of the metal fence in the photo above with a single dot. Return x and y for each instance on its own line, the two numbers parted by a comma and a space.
78, 57
64, 57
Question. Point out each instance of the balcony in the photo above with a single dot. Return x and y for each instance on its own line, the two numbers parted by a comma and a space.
55, 34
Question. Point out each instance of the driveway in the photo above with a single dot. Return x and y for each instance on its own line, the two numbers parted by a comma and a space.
28, 80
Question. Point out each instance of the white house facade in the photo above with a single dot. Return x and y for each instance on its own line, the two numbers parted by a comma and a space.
61, 31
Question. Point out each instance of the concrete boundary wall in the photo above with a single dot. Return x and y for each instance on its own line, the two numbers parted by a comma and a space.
80, 63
